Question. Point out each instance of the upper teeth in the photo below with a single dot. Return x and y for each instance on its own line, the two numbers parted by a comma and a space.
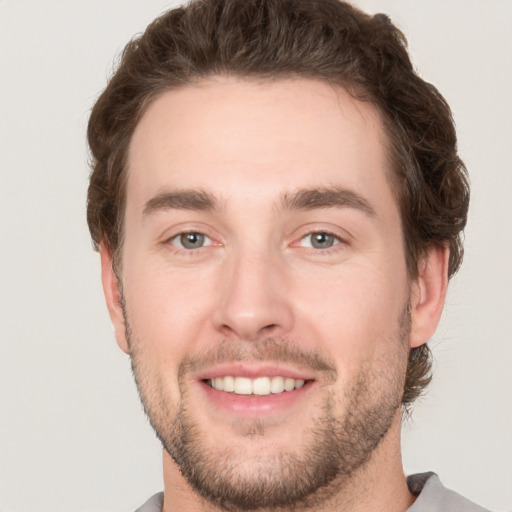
258, 386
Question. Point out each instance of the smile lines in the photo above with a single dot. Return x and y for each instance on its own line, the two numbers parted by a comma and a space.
258, 386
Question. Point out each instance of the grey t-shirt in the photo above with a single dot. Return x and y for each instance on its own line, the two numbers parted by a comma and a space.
154, 504
432, 497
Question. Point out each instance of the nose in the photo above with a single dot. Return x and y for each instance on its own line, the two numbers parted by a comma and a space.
254, 301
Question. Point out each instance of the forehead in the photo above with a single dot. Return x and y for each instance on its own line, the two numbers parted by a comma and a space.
226, 134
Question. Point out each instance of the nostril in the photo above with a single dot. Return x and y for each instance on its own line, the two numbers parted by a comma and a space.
269, 327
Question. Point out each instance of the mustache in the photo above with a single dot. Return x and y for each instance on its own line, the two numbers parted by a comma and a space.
269, 349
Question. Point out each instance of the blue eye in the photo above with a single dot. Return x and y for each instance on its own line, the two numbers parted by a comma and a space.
191, 241
320, 240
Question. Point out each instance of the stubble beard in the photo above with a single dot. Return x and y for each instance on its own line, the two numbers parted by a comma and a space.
290, 480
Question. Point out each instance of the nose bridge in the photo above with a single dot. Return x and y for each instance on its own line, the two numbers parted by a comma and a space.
254, 301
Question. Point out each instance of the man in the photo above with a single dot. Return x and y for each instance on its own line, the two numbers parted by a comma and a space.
278, 203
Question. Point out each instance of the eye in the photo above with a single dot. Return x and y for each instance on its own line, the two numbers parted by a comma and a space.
190, 241
319, 240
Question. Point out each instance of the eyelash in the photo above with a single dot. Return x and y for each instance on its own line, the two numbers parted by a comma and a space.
335, 247
191, 251
180, 247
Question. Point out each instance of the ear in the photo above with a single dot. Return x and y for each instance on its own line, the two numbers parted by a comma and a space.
428, 294
113, 296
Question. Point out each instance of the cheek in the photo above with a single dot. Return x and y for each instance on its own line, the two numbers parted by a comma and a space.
168, 311
355, 311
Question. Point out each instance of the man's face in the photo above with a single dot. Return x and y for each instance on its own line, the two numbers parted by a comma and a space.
264, 285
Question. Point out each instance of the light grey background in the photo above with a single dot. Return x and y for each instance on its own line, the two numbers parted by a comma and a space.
72, 434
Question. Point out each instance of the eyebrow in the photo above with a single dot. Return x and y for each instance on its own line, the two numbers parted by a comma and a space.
303, 199
328, 197
182, 200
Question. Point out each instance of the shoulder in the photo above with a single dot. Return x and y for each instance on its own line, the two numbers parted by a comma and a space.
154, 504
434, 497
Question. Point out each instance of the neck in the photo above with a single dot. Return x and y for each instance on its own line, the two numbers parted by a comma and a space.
379, 485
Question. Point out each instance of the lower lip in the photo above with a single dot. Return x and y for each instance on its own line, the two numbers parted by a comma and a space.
255, 405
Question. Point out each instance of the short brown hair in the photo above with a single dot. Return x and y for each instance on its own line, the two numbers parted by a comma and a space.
322, 39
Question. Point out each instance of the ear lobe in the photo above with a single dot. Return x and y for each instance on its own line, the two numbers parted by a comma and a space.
428, 295
113, 296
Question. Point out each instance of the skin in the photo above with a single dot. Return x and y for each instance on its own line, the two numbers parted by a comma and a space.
250, 146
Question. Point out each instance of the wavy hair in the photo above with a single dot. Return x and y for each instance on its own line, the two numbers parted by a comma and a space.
272, 39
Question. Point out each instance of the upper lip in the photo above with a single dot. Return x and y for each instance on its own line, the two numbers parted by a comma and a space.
253, 371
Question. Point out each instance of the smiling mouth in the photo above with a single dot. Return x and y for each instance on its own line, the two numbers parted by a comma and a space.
259, 386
